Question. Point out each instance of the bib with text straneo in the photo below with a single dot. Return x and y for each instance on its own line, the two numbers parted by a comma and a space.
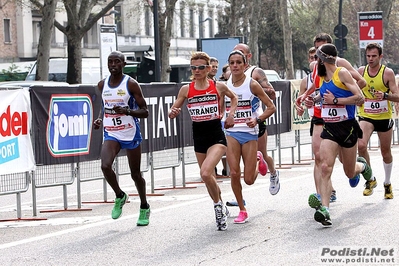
375, 107
203, 107
332, 113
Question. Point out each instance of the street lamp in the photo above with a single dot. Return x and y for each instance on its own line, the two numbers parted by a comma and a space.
200, 33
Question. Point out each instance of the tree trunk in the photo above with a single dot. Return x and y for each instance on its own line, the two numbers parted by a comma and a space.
80, 20
254, 31
43, 48
287, 37
165, 35
385, 6
233, 15
74, 70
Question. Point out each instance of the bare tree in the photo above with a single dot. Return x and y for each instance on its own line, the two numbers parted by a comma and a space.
287, 39
254, 31
165, 35
43, 48
80, 21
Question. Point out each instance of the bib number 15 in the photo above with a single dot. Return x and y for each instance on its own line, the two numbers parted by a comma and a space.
117, 121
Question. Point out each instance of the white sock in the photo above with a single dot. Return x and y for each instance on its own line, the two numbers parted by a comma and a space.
218, 203
388, 171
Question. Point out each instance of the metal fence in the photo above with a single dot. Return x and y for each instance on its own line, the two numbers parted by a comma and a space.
67, 174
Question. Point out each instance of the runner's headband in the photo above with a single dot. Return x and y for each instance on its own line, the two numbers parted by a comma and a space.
325, 57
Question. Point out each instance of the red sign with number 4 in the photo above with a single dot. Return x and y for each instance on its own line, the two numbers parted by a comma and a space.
370, 28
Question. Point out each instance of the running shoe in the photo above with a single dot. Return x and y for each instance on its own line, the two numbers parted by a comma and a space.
262, 164
388, 194
354, 181
221, 217
370, 185
314, 201
274, 183
233, 203
117, 210
144, 217
333, 196
367, 172
227, 211
241, 218
322, 215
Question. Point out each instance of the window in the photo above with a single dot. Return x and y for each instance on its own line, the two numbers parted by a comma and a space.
7, 30
118, 19
147, 22
65, 37
182, 21
201, 24
210, 15
53, 41
191, 23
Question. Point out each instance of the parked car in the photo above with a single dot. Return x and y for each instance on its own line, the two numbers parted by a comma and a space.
272, 75
15, 70
58, 70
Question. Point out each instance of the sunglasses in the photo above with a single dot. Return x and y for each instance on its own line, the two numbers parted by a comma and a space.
202, 67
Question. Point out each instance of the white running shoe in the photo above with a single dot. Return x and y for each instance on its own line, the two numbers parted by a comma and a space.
274, 183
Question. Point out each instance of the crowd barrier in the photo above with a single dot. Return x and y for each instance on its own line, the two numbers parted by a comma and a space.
167, 144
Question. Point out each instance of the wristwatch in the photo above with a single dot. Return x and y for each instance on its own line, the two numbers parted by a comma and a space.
259, 121
128, 111
385, 95
335, 101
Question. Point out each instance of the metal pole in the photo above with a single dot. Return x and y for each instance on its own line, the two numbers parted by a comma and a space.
157, 43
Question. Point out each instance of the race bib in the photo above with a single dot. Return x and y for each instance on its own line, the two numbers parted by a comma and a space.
203, 107
243, 112
115, 122
375, 107
332, 113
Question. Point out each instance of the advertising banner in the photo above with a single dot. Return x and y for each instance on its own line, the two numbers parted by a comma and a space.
303, 121
280, 121
16, 151
63, 124
159, 132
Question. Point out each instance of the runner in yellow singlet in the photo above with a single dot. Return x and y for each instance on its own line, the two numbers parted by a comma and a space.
376, 113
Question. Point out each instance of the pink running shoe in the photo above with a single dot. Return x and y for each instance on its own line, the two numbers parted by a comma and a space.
262, 164
242, 218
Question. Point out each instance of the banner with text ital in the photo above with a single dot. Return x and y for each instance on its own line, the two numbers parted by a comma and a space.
16, 152
280, 121
63, 124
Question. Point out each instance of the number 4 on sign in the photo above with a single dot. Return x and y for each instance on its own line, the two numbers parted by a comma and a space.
371, 33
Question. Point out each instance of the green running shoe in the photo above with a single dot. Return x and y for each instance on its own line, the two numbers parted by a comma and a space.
144, 217
314, 201
367, 172
322, 215
117, 210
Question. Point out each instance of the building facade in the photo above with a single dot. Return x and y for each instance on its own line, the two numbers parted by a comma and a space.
21, 26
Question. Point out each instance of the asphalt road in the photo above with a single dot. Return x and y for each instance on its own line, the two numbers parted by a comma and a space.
182, 231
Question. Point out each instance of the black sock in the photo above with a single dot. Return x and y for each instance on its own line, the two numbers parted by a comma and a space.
121, 195
145, 206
